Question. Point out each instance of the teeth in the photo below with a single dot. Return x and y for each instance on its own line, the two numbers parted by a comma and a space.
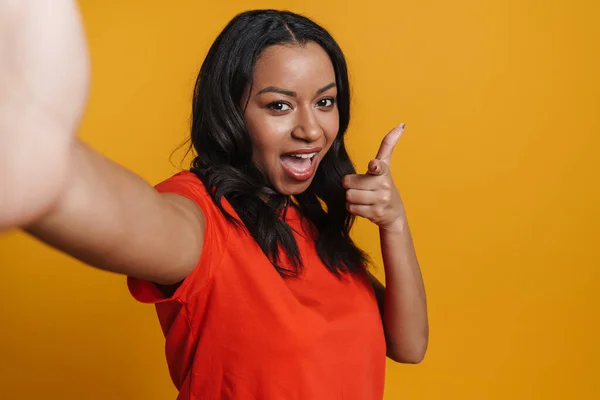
309, 155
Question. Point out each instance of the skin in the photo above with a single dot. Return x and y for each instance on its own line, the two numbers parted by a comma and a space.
42, 97
291, 107
402, 302
110, 218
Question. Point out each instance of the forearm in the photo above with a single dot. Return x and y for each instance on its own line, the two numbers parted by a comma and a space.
110, 218
404, 307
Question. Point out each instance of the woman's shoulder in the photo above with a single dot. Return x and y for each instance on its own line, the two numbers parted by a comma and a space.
188, 184
182, 181
215, 241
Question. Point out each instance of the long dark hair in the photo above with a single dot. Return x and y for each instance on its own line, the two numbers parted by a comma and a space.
224, 149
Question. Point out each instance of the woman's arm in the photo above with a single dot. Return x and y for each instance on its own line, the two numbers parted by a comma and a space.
60, 190
110, 218
402, 302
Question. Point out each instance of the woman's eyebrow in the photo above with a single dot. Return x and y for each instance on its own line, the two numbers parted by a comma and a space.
275, 89
326, 88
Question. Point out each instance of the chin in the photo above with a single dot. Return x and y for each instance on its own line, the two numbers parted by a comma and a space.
293, 188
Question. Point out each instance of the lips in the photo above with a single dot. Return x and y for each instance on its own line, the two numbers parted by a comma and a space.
300, 165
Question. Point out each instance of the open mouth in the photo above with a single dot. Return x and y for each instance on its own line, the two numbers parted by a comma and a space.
299, 166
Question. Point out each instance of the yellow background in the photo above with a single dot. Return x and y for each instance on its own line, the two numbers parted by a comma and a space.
498, 168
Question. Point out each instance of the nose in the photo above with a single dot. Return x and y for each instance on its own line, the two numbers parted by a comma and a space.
307, 127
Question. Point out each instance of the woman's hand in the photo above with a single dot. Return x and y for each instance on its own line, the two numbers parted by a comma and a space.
44, 79
374, 195
402, 301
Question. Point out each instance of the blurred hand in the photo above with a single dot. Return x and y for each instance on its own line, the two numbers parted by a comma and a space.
44, 80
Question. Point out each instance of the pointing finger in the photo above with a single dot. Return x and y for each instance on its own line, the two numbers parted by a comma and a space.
388, 143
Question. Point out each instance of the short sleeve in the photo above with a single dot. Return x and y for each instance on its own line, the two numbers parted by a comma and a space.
216, 232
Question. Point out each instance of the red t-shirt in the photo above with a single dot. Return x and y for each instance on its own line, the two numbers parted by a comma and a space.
235, 329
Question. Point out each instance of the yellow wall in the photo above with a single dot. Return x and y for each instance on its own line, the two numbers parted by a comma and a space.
498, 168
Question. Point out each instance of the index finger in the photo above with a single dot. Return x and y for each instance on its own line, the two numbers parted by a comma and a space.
389, 142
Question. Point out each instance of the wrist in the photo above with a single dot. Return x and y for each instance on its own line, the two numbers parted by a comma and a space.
398, 226
35, 158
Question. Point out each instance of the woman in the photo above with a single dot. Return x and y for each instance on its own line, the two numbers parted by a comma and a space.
259, 289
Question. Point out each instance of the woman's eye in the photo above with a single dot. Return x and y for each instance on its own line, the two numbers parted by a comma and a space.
279, 106
328, 102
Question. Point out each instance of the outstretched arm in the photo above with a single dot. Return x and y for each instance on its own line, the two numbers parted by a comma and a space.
110, 218
57, 188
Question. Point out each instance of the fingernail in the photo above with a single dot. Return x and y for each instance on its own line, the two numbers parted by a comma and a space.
402, 125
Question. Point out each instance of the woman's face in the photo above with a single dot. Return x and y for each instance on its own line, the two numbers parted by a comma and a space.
292, 114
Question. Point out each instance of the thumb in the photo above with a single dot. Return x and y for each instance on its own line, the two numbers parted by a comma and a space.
389, 143
377, 167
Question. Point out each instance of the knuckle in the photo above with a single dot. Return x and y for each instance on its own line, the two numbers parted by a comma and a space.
349, 194
347, 181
